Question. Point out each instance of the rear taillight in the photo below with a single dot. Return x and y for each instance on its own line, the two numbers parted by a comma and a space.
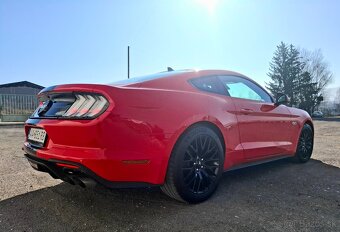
87, 106
71, 105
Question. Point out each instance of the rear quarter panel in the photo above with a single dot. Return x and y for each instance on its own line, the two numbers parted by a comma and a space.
166, 114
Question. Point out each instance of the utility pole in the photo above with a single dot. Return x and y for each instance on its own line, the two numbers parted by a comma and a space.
128, 62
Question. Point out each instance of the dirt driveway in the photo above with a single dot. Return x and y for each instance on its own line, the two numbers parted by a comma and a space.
280, 196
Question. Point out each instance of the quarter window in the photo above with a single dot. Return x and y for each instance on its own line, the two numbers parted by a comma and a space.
209, 84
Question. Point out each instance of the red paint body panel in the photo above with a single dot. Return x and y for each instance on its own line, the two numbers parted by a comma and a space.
264, 128
144, 121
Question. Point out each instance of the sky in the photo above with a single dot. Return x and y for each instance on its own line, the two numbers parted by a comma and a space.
62, 41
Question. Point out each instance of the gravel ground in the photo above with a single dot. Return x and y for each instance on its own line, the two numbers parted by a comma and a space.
279, 196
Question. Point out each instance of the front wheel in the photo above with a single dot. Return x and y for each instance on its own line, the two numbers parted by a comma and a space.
195, 166
305, 145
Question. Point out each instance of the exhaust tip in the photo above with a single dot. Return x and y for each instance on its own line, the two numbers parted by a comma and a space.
87, 182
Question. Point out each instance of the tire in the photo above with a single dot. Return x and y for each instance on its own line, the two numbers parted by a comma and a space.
195, 166
305, 145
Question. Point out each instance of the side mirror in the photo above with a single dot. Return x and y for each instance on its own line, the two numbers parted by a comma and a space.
281, 99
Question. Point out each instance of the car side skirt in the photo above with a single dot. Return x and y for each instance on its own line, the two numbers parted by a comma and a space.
258, 162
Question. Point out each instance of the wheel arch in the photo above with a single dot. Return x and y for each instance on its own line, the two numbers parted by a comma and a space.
212, 125
310, 123
296, 157
208, 124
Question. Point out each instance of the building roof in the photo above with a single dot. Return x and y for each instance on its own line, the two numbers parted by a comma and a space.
22, 84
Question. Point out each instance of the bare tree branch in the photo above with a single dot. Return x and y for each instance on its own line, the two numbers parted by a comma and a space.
317, 66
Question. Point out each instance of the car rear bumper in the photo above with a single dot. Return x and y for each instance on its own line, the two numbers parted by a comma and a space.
115, 150
74, 172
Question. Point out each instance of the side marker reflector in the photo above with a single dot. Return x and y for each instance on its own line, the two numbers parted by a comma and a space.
135, 161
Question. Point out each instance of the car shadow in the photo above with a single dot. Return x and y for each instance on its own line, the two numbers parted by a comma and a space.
273, 196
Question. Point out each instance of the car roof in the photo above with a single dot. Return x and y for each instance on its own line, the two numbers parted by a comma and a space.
177, 80
170, 76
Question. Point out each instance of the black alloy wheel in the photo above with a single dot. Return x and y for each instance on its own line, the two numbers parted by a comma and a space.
305, 145
201, 164
195, 166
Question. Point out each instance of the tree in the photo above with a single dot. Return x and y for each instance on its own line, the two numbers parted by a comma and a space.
315, 64
300, 74
285, 70
307, 90
337, 101
278, 70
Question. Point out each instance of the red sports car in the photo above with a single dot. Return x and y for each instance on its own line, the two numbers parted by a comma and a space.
179, 130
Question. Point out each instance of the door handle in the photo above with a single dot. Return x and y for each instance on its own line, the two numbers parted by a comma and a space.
246, 111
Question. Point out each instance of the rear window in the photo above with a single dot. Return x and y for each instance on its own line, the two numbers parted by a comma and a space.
136, 80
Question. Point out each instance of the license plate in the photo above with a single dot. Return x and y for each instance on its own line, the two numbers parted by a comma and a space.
37, 135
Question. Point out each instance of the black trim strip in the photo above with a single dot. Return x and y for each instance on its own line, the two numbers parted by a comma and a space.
57, 172
254, 163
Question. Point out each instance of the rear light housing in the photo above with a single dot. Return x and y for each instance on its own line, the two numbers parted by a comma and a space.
87, 106
71, 106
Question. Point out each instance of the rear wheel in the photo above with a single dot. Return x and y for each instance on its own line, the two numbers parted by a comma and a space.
195, 166
305, 146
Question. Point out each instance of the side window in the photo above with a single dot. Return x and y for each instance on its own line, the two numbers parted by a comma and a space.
242, 88
209, 84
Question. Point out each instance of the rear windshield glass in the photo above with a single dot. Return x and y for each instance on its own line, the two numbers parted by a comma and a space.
136, 80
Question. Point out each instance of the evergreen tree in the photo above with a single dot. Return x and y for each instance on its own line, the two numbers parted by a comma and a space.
302, 78
285, 70
278, 70
307, 92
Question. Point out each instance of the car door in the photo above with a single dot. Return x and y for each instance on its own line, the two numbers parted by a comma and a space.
264, 127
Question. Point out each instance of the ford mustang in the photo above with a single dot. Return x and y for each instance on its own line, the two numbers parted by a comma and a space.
179, 130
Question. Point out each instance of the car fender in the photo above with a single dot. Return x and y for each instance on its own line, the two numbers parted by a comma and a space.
199, 118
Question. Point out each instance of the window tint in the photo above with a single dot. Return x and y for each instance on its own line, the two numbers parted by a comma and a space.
209, 84
242, 88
